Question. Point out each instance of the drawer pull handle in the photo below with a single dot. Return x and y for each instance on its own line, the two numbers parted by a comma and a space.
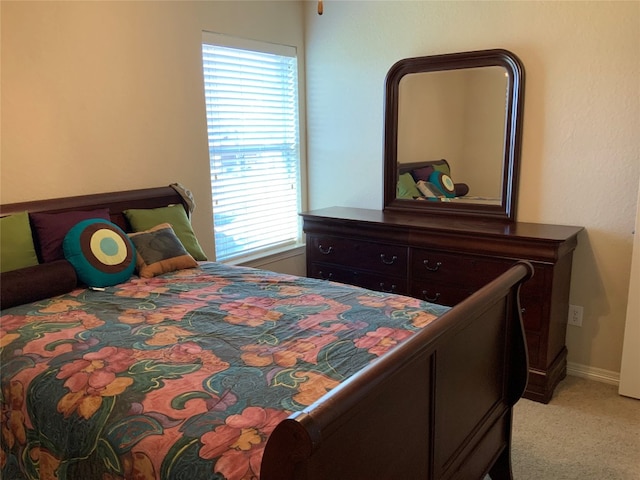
383, 257
523, 310
387, 290
324, 251
325, 277
425, 295
431, 269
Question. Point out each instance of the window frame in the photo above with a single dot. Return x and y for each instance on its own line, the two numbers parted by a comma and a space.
295, 246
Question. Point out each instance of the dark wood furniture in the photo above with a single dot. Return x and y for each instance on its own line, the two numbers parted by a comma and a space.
116, 202
416, 112
444, 260
438, 406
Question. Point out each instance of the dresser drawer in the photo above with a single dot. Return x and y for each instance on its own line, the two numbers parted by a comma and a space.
440, 293
533, 349
531, 312
381, 283
460, 269
372, 281
330, 272
361, 256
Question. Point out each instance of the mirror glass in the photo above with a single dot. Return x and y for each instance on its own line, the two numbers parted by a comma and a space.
457, 115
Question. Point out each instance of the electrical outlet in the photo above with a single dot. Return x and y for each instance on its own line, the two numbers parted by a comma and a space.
575, 315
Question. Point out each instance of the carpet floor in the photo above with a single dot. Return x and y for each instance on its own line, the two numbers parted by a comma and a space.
587, 431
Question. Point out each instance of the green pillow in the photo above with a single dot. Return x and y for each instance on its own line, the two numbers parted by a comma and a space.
407, 187
176, 216
16, 243
442, 166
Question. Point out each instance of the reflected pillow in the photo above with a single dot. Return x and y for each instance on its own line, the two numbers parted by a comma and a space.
461, 189
406, 187
160, 251
442, 166
422, 173
175, 215
16, 243
443, 183
428, 190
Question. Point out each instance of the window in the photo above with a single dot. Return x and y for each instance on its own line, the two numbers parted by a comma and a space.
251, 92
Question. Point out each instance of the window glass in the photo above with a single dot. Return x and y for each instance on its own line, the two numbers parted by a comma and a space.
252, 122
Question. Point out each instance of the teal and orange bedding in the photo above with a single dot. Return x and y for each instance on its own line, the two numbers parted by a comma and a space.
183, 375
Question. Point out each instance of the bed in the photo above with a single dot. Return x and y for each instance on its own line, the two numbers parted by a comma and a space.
221, 372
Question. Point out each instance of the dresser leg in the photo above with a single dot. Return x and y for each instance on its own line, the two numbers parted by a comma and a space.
542, 383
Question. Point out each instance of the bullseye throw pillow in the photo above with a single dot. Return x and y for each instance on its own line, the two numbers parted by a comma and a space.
443, 183
101, 253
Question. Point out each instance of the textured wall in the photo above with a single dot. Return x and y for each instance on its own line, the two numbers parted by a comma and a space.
580, 159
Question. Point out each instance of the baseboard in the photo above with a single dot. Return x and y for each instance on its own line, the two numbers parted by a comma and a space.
593, 373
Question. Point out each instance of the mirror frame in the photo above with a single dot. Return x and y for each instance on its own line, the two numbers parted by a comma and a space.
506, 211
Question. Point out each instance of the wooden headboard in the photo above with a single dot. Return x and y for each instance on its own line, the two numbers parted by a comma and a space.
116, 202
407, 167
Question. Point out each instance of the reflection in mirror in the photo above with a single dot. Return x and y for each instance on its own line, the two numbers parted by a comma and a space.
458, 114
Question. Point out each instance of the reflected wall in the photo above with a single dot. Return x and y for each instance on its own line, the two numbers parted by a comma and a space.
458, 115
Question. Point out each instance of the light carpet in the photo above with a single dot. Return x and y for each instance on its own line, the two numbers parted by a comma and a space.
587, 431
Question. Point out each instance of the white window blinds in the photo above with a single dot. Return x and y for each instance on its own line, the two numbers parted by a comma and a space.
252, 119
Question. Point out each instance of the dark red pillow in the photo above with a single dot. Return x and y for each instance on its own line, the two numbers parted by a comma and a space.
37, 282
51, 229
422, 173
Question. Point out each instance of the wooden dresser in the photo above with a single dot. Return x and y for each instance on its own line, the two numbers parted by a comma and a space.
443, 260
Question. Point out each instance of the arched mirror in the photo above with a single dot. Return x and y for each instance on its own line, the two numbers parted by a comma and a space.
453, 134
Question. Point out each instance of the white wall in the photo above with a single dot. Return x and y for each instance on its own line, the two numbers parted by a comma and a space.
580, 160
106, 96
630, 367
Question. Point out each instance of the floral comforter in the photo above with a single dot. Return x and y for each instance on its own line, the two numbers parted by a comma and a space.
181, 376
